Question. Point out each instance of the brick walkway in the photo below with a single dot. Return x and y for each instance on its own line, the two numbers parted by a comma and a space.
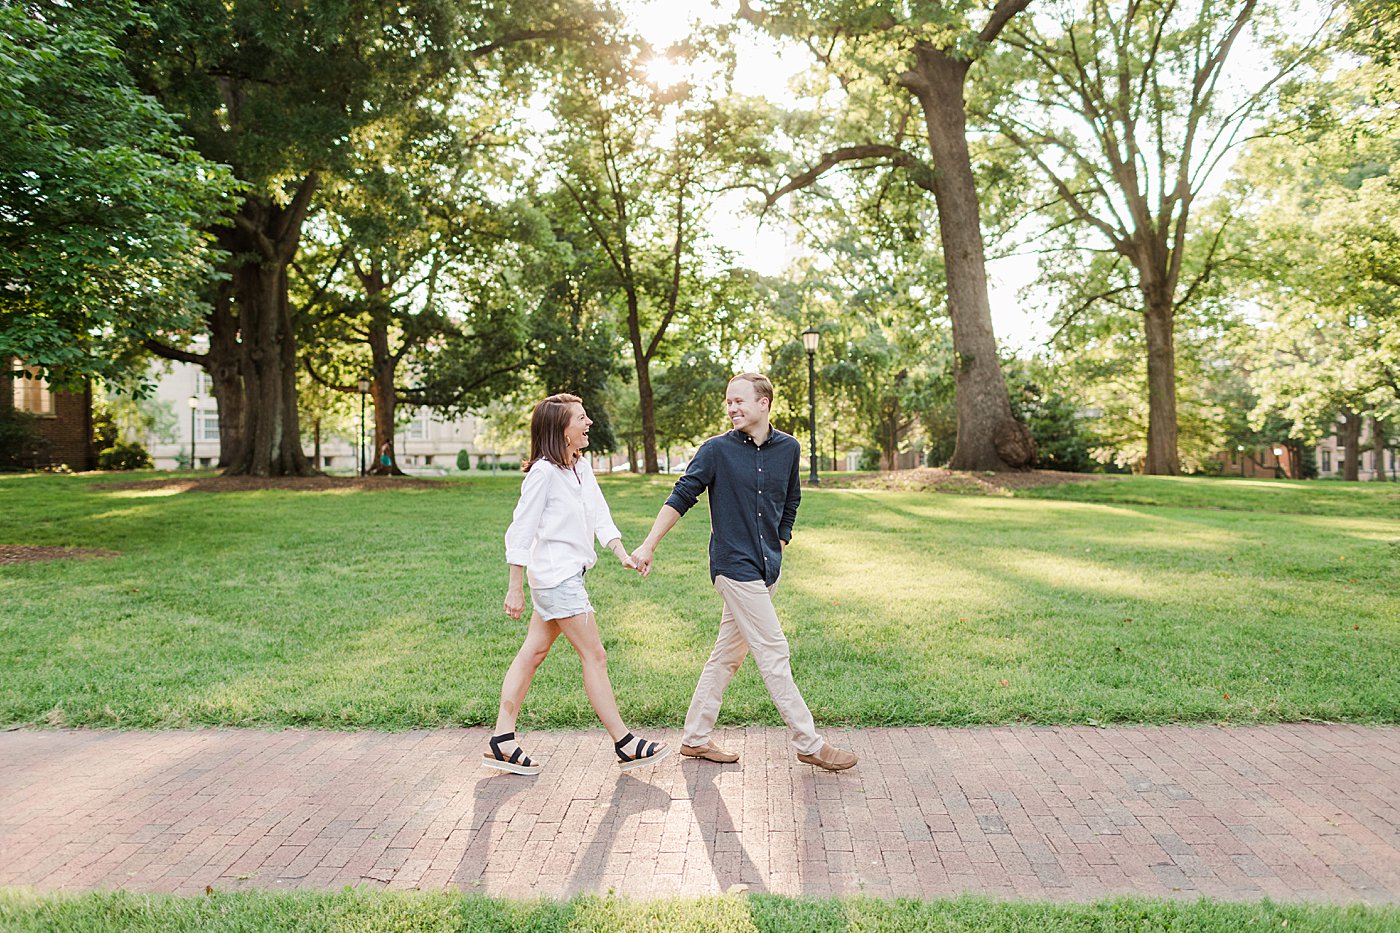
1289, 812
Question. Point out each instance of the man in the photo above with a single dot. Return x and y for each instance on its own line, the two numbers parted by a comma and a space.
751, 473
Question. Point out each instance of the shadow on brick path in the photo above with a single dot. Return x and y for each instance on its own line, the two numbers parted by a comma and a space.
1290, 812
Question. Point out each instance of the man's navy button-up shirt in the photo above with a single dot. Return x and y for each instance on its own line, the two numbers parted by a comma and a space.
754, 493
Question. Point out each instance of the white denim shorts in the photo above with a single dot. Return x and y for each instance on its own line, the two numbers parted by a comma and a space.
559, 602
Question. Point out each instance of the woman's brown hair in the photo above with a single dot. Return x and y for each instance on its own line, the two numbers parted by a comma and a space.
547, 423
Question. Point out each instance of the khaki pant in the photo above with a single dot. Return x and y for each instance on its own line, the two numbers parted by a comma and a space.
749, 625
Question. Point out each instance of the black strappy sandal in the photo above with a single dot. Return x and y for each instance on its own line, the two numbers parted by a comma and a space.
517, 763
647, 753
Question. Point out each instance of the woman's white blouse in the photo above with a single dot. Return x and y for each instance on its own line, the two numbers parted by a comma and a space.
559, 513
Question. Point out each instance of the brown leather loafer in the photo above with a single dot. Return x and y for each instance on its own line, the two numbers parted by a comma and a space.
710, 752
831, 758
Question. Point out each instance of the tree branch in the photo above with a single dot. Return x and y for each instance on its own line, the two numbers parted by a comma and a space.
173, 353
921, 173
1002, 14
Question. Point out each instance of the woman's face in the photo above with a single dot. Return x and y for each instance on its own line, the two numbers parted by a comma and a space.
576, 431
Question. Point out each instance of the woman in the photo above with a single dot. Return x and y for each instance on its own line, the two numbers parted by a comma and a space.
549, 540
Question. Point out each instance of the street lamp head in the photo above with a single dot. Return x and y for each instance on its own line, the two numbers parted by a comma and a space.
1278, 451
364, 385
810, 338
194, 401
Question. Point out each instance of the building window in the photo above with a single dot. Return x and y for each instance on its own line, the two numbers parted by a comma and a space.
418, 427
203, 385
32, 394
1326, 460
209, 424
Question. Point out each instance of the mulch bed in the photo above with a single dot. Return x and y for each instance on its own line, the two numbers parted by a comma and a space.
936, 479
254, 483
29, 553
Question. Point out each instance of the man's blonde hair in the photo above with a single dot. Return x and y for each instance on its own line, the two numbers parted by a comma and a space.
762, 387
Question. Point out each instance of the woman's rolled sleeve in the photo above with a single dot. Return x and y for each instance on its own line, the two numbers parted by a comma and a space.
525, 524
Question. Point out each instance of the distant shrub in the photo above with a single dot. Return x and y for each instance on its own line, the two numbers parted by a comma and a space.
464, 460
123, 456
22, 447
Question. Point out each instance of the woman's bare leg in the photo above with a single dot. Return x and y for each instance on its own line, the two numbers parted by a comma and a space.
582, 632
539, 638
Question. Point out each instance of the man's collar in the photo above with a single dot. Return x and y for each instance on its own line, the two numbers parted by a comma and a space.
748, 438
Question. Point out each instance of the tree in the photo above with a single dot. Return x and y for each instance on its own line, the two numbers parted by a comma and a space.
1127, 111
102, 201
641, 167
875, 292
407, 282
922, 54
283, 94
690, 398
1318, 210
1062, 440
573, 341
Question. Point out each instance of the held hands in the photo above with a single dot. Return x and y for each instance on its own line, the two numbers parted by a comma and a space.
641, 559
621, 554
515, 602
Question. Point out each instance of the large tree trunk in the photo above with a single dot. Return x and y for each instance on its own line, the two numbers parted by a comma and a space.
381, 391
646, 400
223, 363
1151, 257
265, 236
225, 375
381, 387
1378, 446
1295, 459
1162, 456
1351, 445
988, 436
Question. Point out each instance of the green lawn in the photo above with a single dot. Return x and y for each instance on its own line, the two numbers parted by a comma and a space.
363, 911
1126, 600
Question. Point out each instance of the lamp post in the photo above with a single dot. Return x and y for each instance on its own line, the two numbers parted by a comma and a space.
194, 409
810, 338
1239, 449
364, 388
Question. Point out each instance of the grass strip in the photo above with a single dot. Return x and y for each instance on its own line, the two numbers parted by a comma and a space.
366, 910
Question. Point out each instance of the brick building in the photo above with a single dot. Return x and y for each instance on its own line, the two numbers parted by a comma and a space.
1272, 461
63, 423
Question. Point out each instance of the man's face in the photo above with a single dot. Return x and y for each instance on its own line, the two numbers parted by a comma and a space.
744, 407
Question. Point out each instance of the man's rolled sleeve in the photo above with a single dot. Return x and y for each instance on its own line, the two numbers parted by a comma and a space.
695, 480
